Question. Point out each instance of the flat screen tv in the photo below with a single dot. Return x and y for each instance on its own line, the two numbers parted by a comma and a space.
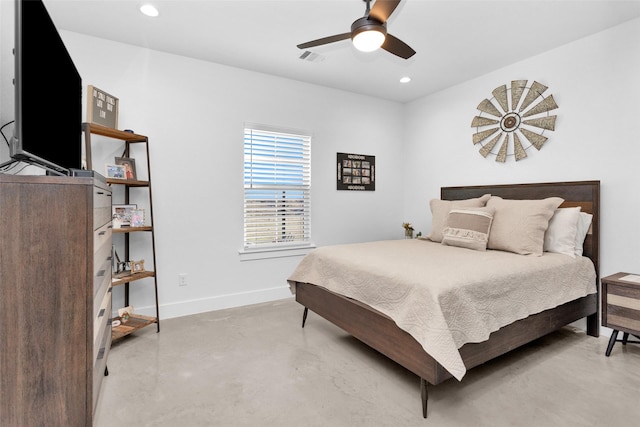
48, 94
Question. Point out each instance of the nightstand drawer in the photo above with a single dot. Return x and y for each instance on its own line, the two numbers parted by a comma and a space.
623, 307
621, 303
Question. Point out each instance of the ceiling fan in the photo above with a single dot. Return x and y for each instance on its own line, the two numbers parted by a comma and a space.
370, 32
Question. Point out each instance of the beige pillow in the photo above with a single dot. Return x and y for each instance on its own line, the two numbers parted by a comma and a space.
468, 228
519, 225
441, 208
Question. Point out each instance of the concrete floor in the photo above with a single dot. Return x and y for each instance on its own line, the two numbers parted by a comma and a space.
255, 366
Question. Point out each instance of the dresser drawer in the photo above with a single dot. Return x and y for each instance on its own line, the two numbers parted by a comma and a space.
101, 285
102, 264
101, 206
100, 358
101, 321
101, 245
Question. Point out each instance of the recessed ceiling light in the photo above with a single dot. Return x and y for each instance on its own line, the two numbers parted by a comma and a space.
405, 79
149, 10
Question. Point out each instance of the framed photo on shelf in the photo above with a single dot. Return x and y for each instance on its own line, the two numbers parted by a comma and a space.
122, 214
115, 171
129, 165
137, 218
137, 266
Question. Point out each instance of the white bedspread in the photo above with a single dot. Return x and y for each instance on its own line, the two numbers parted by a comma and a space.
446, 296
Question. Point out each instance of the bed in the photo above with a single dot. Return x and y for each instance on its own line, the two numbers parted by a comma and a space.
380, 330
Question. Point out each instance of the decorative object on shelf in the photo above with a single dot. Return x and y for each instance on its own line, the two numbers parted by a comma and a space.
123, 213
137, 266
120, 268
137, 218
356, 172
102, 108
125, 313
515, 120
408, 230
129, 166
114, 171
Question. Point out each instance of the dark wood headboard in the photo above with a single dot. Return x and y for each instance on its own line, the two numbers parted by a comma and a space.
585, 194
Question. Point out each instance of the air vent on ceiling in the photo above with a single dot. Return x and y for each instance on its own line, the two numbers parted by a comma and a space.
311, 57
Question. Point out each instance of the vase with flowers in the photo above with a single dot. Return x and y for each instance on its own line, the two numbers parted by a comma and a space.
408, 230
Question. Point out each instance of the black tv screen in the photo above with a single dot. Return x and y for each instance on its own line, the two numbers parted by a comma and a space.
48, 93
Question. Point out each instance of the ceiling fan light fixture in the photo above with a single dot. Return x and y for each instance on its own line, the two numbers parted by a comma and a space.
368, 35
368, 41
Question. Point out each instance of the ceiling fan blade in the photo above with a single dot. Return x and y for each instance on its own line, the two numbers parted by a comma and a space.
325, 40
397, 47
382, 9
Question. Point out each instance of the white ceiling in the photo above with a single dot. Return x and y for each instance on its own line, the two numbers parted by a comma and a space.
455, 40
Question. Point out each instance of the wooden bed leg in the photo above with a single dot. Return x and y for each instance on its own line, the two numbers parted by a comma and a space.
593, 327
304, 316
424, 393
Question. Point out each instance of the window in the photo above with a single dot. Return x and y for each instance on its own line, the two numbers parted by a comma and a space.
277, 184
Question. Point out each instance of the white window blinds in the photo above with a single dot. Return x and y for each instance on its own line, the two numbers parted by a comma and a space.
277, 183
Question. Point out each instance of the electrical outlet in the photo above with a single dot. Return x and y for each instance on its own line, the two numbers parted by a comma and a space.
182, 279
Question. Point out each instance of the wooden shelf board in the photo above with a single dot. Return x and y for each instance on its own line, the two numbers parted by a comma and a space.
115, 133
135, 322
128, 182
132, 278
131, 229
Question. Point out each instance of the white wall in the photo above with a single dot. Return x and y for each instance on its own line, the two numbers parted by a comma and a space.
595, 83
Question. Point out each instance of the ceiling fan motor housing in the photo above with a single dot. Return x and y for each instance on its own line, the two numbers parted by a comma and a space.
367, 24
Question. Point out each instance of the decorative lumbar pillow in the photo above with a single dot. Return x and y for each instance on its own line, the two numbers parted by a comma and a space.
560, 237
584, 223
441, 208
468, 228
519, 225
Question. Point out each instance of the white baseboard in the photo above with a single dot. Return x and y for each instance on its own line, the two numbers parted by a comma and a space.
185, 308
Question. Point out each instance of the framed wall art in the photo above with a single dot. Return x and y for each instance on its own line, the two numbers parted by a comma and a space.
356, 172
102, 108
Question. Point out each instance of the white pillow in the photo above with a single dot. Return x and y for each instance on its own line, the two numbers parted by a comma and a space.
583, 228
560, 236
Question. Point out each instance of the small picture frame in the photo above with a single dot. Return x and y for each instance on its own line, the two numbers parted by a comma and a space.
137, 266
129, 165
122, 213
115, 171
137, 218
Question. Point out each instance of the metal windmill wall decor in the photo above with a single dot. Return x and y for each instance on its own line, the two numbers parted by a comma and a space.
519, 122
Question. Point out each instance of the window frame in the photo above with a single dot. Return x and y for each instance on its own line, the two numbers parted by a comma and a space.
276, 167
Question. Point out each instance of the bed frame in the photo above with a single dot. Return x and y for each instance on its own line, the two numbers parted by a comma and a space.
382, 334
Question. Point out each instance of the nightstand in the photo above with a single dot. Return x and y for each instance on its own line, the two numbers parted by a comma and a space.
621, 307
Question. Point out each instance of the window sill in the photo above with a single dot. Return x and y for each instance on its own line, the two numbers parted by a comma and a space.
266, 253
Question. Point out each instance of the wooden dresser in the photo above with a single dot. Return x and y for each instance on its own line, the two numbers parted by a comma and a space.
55, 298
